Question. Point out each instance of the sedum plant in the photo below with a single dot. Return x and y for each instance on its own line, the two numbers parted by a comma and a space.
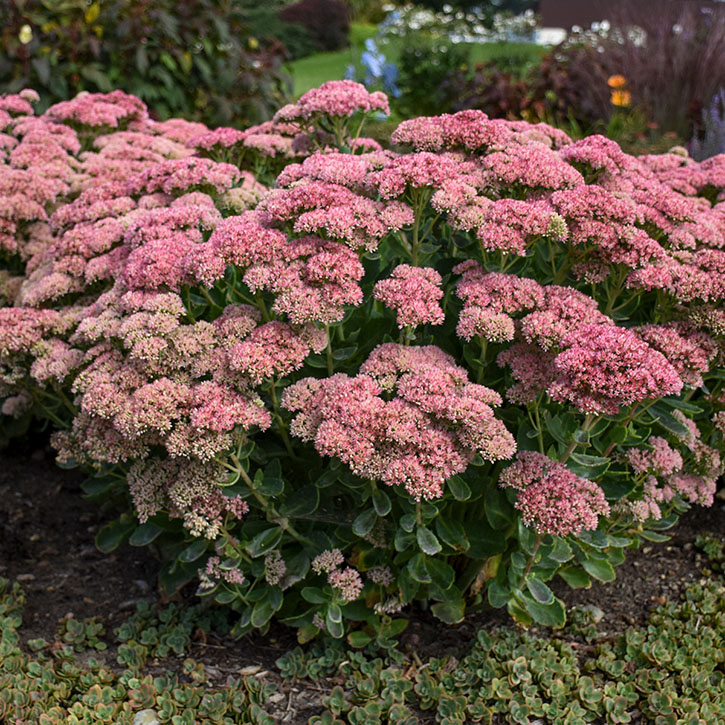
335, 380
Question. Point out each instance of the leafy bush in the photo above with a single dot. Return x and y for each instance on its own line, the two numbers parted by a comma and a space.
265, 23
443, 375
193, 58
326, 21
423, 67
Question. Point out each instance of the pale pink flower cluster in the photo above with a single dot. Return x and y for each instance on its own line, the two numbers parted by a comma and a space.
334, 211
334, 98
185, 489
494, 303
414, 293
347, 581
659, 458
552, 499
213, 572
274, 568
692, 477
430, 430
99, 109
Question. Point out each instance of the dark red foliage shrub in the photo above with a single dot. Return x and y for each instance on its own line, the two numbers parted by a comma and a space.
327, 21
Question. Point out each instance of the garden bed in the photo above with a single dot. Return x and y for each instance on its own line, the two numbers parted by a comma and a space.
46, 544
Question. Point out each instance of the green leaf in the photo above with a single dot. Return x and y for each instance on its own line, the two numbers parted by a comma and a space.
313, 595
498, 594
194, 551
364, 522
459, 488
418, 570
615, 489
684, 405
344, 353
302, 502
272, 482
452, 533
110, 536
561, 428
97, 486
381, 502
591, 467
548, 615
599, 569
403, 540
427, 541
264, 541
654, 536
334, 629
262, 612
145, 534
174, 577
498, 509
359, 639
575, 577
450, 612
598, 539
441, 573
539, 591
407, 522
334, 612
659, 412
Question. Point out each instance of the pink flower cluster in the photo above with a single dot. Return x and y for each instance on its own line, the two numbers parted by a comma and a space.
552, 499
430, 430
185, 489
347, 581
414, 293
668, 474
603, 367
334, 98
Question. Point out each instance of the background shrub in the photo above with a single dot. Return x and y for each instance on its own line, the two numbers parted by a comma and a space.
191, 58
326, 21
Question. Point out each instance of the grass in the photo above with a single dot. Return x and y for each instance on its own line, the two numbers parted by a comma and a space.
314, 70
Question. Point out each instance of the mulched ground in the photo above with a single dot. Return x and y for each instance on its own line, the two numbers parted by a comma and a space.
46, 543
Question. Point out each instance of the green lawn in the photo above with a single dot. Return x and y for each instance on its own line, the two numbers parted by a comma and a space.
316, 69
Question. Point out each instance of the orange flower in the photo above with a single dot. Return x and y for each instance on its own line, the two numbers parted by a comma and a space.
621, 98
617, 81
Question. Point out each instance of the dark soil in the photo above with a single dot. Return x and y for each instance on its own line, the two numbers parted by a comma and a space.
46, 543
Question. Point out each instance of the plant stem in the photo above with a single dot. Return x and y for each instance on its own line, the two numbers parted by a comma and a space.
273, 516
586, 425
328, 352
280, 422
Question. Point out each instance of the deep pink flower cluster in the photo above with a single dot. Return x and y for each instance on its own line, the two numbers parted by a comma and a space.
691, 352
433, 427
551, 498
604, 367
414, 293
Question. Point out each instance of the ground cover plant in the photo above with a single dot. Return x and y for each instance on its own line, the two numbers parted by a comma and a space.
668, 670
336, 380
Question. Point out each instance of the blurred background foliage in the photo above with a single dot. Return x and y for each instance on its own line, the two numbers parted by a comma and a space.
232, 62
190, 58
